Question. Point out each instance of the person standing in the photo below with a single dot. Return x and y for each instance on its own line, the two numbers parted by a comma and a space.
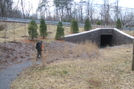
39, 47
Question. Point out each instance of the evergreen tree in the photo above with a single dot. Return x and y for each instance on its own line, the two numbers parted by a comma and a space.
43, 28
60, 31
74, 26
32, 30
118, 24
87, 25
98, 22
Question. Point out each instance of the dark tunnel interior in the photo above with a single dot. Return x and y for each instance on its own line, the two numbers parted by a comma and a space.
106, 40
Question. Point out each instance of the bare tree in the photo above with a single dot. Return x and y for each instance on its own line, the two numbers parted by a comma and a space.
127, 17
29, 9
63, 6
42, 8
117, 10
90, 10
80, 13
5, 8
105, 11
22, 7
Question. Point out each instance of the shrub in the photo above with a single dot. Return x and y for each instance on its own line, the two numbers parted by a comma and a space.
98, 22
60, 31
74, 26
118, 24
87, 25
43, 28
32, 29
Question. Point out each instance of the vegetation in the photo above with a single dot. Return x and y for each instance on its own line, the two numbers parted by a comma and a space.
118, 24
74, 26
32, 30
65, 10
98, 22
87, 25
60, 31
21, 31
100, 72
43, 28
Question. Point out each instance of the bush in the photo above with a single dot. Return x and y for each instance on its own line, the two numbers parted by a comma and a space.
60, 31
98, 22
32, 30
74, 26
118, 24
87, 25
43, 28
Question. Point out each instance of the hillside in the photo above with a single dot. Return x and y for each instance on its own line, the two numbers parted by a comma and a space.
109, 69
65, 65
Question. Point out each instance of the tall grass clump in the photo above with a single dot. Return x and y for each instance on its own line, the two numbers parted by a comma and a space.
84, 49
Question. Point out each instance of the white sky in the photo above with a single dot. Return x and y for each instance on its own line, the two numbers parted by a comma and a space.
123, 3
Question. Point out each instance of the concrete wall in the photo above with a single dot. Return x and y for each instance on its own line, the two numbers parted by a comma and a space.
120, 37
94, 35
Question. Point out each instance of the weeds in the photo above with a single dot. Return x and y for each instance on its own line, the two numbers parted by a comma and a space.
84, 50
111, 71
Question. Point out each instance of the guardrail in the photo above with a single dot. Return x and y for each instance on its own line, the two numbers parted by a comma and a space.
20, 20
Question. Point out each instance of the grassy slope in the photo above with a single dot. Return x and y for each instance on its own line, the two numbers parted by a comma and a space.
21, 32
112, 70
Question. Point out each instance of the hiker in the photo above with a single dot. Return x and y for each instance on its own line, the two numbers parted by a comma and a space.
39, 47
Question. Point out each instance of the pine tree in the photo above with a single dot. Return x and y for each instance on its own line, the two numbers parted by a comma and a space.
60, 31
32, 30
87, 25
43, 28
118, 24
98, 22
74, 26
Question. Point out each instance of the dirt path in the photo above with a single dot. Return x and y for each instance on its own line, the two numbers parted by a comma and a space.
10, 73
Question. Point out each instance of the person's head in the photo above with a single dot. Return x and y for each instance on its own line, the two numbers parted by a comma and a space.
40, 41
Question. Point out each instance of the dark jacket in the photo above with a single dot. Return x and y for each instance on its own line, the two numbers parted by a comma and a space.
38, 46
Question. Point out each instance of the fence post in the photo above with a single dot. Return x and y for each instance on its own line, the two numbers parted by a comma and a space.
133, 58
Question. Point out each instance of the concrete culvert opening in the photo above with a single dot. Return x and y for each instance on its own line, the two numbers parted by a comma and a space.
106, 40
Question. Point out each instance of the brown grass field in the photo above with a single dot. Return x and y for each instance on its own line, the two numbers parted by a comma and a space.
19, 31
108, 68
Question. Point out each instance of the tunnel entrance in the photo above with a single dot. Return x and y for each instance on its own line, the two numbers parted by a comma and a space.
106, 40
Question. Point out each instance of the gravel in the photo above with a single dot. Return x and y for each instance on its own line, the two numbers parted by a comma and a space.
10, 73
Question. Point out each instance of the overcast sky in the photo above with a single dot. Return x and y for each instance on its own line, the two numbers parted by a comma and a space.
123, 3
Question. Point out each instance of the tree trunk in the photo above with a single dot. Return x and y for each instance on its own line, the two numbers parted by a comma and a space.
133, 58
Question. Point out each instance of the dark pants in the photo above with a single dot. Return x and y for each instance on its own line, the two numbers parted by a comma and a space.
38, 53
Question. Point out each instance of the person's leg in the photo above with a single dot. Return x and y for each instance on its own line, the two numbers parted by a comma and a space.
38, 53
41, 54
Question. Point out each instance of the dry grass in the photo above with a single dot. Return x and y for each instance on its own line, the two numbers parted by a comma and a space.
129, 32
112, 70
83, 50
14, 31
19, 31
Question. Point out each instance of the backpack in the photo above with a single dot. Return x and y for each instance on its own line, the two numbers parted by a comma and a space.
38, 45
